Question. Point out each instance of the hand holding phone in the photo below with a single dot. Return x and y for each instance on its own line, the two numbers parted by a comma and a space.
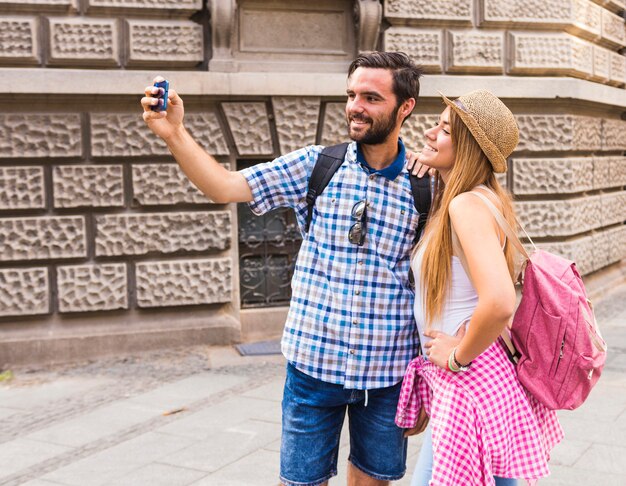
161, 95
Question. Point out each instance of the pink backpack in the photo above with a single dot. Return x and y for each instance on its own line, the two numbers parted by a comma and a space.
560, 352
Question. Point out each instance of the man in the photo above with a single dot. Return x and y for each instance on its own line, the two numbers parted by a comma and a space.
350, 331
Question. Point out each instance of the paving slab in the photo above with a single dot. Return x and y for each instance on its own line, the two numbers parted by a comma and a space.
19, 454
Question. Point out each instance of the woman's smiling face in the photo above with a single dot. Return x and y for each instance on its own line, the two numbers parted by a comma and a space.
438, 152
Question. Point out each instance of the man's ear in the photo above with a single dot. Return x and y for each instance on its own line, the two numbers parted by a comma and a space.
407, 107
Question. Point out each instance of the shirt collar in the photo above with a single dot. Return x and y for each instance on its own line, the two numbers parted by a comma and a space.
391, 171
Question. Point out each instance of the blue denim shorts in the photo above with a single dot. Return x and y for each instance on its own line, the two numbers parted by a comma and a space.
313, 414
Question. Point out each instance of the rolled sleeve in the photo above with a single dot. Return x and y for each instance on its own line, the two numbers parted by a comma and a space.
282, 182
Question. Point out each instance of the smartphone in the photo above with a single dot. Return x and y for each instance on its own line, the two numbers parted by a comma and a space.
161, 96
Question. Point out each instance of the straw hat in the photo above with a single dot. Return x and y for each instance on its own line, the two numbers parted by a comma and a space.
491, 123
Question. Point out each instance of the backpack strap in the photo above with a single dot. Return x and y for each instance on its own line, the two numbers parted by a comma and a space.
325, 167
422, 195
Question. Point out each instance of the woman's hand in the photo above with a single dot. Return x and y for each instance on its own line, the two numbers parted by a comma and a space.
438, 349
422, 422
414, 166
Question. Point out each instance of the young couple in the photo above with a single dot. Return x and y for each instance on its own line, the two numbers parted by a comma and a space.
355, 323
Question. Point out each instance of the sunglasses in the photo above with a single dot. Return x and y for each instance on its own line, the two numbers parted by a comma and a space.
356, 234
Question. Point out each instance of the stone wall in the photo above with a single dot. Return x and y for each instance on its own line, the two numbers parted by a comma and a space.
104, 244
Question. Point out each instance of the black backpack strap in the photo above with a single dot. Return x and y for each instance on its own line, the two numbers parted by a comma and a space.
327, 164
421, 199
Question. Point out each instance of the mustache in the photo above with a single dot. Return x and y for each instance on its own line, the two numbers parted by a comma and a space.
360, 118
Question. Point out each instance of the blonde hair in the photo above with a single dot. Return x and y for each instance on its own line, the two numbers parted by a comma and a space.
471, 168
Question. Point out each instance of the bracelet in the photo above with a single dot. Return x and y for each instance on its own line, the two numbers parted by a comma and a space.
452, 362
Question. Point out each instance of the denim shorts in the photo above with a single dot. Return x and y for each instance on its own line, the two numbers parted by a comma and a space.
313, 414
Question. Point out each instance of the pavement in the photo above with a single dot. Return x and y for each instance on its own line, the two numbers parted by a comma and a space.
207, 416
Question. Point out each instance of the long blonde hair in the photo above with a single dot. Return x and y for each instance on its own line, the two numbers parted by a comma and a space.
471, 168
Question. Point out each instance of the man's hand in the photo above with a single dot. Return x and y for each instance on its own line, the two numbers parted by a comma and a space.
163, 123
422, 422
414, 166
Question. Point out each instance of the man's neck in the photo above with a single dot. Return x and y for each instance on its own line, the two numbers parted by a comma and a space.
382, 155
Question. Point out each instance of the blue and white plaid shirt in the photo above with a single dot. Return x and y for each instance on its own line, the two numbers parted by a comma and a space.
350, 320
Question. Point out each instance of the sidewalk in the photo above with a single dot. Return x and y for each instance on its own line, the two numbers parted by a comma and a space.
206, 416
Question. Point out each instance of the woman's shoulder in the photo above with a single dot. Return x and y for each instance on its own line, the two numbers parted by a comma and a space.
468, 202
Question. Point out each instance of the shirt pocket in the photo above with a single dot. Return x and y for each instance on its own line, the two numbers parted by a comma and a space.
393, 231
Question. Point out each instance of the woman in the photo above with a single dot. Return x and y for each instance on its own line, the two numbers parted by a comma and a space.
482, 423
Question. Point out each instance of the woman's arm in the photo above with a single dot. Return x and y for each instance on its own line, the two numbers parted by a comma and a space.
478, 234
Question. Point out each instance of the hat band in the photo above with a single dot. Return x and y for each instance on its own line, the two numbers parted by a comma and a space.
460, 104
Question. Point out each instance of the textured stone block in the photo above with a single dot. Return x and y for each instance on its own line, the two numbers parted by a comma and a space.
334, 128
613, 29
42, 238
425, 47
613, 208
617, 243
580, 250
40, 5
184, 282
602, 172
296, 121
613, 134
618, 69
405, 11
179, 42
30, 135
24, 291
471, 51
538, 53
412, 132
83, 41
19, 40
88, 185
22, 188
553, 176
250, 127
138, 234
601, 63
88, 288
115, 135
617, 171
155, 184
148, 5
559, 132
561, 217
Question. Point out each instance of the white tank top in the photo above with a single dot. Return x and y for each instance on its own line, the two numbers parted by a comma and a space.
461, 300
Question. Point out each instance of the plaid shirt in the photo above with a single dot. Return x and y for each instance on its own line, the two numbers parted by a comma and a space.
350, 320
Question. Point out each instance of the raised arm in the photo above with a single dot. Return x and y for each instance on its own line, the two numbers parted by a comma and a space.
206, 173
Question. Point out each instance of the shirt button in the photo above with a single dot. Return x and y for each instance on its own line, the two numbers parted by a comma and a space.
355, 322
357, 292
372, 177
360, 262
351, 351
402, 211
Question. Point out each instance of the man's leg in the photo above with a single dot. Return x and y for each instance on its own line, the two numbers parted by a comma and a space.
377, 445
313, 414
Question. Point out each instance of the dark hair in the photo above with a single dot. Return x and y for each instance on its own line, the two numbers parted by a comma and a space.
406, 74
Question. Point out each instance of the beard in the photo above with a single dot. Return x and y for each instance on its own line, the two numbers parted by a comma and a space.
378, 131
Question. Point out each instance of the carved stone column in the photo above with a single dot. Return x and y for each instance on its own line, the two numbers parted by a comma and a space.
223, 15
368, 15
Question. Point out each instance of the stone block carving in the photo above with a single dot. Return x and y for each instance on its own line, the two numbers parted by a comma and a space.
553, 176
618, 69
139, 234
32, 135
250, 127
19, 40
601, 63
180, 42
425, 47
184, 282
151, 5
617, 243
535, 53
88, 288
471, 51
613, 208
559, 132
24, 291
155, 184
88, 185
21, 188
587, 16
83, 41
39, 5
414, 127
617, 171
405, 11
42, 238
613, 134
602, 173
334, 128
580, 250
561, 217
114, 135
296, 121
369, 14
613, 29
